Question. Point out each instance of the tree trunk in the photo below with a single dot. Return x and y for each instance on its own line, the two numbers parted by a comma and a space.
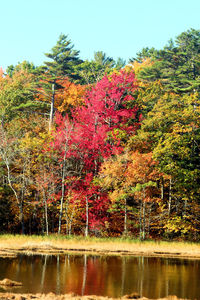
140, 219
19, 203
46, 219
144, 220
62, 189
149, 221
52, 107
69, 220
170, 197
185, 208
21, 216
87, 218
162, 189
45, 213
125, 216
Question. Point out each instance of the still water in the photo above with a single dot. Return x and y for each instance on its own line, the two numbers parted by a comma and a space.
112, 276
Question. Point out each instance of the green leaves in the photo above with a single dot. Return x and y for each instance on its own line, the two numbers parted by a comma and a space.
139, 187
93, 71
63, 59
177, 65
15, 93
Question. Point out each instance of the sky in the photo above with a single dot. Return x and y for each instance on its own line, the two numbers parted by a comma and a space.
120, 28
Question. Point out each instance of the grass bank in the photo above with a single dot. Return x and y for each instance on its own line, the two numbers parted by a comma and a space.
14, 244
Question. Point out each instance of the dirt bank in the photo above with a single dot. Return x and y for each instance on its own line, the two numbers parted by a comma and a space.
51, 296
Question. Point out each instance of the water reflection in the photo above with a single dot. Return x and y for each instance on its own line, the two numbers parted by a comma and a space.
112, 276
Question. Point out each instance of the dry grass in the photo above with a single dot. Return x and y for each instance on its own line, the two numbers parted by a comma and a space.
57, 243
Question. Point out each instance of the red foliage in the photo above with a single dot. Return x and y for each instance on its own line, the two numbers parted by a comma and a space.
108, 106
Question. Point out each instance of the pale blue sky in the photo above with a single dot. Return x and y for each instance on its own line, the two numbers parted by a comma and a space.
29, 28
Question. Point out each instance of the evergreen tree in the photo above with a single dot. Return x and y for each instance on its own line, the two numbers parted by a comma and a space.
94, 70
63, 59
177, 65
143, 54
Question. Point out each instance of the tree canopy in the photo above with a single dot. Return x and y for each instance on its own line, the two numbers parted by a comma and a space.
97, 147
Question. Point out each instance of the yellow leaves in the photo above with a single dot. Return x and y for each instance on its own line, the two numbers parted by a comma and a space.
128, 174
21, 79
71, 96
141, 168
37, 142
34, 145
113, 171
116, 195
177, 224
137, 66
148, 94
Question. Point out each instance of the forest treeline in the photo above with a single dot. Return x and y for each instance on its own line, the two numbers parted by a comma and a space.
103, 147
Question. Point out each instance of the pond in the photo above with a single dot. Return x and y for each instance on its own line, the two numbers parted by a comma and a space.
112, 276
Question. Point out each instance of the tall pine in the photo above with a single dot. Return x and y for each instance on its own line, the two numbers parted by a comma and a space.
62, 63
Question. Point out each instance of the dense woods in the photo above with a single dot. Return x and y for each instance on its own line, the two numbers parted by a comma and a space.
103, 147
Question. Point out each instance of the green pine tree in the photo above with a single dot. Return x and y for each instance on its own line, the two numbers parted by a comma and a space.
63, 59
177, 65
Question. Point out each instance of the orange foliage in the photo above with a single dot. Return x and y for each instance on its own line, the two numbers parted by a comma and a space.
70, 96
143, 174
142, 168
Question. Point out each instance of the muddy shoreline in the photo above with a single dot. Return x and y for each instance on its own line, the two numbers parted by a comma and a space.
43, 249
52, 296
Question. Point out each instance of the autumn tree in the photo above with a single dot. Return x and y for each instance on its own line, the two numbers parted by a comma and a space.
112, 178
131, 179
17, 104
107, 114
171, 130
142, 175
43, 174
24, 66
69, 97
16, 167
